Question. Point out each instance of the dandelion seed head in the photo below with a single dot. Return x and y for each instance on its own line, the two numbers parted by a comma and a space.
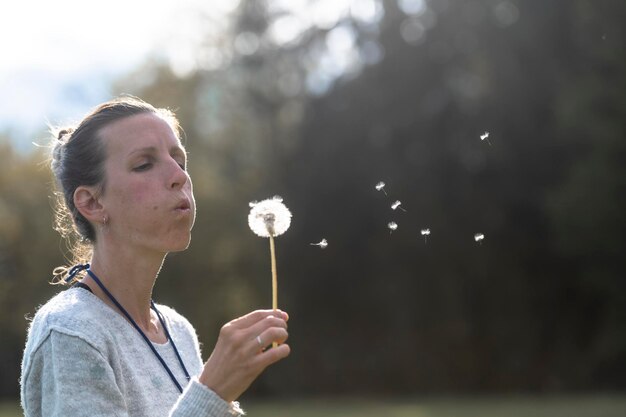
478, 237
484, 136
425, 232
269, 217
380, 185
396, 204
392, 225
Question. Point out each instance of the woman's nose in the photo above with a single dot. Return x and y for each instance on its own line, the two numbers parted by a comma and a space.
179, 176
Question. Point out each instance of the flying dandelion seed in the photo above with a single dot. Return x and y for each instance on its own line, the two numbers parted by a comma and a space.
380, 186
396, 205
485, 136
425, 233
479, 237
322, 244
270, 218
392, 226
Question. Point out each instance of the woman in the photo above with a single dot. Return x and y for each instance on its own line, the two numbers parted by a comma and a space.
101, 347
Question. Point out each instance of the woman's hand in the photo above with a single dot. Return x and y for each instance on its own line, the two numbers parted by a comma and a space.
239, 356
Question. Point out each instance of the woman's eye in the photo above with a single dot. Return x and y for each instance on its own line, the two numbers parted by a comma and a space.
143, 167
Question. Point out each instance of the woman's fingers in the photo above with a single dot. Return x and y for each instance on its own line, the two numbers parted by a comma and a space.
259, 330
256, 316
267, 337
271, 356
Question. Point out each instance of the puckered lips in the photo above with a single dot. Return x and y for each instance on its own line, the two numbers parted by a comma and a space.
183, 206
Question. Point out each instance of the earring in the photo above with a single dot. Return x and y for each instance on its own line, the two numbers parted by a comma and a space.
104, 220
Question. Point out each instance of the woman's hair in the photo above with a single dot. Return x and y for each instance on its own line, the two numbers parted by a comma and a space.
78, 156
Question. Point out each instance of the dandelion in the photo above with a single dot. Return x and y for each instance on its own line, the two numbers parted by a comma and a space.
396, 204
485, 136
479, 237
425, 233
322, 244
392, 226
270, 218
381, 186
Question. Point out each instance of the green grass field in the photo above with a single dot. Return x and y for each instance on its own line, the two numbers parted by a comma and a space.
572, 406
587, 406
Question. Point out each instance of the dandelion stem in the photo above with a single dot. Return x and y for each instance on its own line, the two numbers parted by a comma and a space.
274, 279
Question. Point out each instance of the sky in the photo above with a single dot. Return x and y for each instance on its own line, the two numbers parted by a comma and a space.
58, 58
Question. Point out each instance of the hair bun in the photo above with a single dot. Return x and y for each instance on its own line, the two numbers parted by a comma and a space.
61, 135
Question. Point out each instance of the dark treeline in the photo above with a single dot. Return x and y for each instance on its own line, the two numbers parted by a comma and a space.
538, 306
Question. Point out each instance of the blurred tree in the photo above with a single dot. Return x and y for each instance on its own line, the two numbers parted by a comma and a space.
415, 85
588, 207
29, 250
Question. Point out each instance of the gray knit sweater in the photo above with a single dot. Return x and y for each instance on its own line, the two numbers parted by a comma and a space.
82, 358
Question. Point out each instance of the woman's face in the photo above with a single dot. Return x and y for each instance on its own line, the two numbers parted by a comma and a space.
148, 196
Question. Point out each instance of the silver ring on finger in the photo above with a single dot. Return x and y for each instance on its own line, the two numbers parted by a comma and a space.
259, 341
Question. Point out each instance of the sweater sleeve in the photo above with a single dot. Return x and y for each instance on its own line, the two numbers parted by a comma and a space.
199, 401
67, 376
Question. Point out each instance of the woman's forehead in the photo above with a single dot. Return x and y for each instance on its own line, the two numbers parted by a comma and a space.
139, 131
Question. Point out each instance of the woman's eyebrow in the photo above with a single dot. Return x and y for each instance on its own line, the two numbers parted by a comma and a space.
174, 150
147, 149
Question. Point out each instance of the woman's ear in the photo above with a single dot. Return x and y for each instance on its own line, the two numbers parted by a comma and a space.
87, 204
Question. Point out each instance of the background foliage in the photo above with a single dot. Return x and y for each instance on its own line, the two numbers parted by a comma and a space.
398, 92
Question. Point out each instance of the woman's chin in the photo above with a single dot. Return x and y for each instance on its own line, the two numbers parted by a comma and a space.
179, 245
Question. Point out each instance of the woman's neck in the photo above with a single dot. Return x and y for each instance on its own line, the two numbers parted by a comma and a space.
130, 279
